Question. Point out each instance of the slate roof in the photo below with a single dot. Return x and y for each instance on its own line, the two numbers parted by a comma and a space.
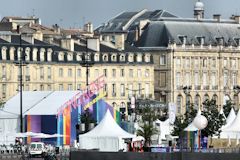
160, 33
116, 24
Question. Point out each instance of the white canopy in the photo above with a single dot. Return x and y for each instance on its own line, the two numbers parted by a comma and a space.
106, 136
234, 126
191, 127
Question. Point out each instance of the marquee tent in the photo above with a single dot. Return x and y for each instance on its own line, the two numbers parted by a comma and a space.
106, 136
234, 126
229, 120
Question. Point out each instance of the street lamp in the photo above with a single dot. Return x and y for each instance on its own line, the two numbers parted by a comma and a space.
86, 62
186, 90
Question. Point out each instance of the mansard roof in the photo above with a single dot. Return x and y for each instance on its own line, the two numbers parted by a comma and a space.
160, 33
123, 21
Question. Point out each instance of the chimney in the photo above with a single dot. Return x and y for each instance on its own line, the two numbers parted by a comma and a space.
217, 17
28, 38
67, 43
119, 41
88, 27
237, 19
93, 43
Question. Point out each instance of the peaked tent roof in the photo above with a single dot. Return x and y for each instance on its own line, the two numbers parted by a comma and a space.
234, 126
108, 128
230, 118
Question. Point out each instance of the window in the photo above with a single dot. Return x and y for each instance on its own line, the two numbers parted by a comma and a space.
204, 79
60, 56
105, 88
147, 72
4, 89
41, 73
26, 87
131, 73
122, 90
69, 57
196, 63
139, 89
162, 81
4, 72
49, 55
178, 62
213, 79
225, 79
113, 72
41, 87
4, 53
69, 72
187, 63
225, 62
122, 73
187, 79
105, 58
96, 73
70, 87
19, 54
60, 73
179, 103
147, 90
163, 60
139, 73
42, 56
79, 57
60, 87
105, 72
27, 54
214, 63
204, 62
122, 58
178, 79
114, 90
197, 101
49, 87
234, 79
49, 72
196, 78
130, 90
130, 58
139, 58
114, 58
34, 54
78, 86
79, 74
96, 57
233, 64
12, 49
147, 58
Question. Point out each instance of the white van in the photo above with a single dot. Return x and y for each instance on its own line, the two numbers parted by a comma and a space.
37, 149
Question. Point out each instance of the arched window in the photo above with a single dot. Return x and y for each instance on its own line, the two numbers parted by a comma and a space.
197, 101
27, 54
179, 103
139, 58
105, 57
206, 97
147, 58
34, 54
215, 97
130, 58
114, 104
79, 57
122, 57
12, 50
42, 55
114, 58
4, 53
69, 56
49, 54
96, 57
60, 56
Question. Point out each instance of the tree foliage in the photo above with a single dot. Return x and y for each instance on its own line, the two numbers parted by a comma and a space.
227, 107
215, 120
1, 104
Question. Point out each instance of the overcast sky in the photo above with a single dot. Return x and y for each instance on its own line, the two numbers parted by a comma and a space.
73, 13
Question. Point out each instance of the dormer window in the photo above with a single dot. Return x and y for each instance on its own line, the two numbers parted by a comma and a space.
12, 49
4, 53
105, 57
122, 57
35, 54
60, 56
220, 40
147, 58
201, 40
114, 58
183, 39
130, 58
69, 56
139, 58
79, 57
27, 54
237, 41
49, 55
96, 57
19, 53
42, 56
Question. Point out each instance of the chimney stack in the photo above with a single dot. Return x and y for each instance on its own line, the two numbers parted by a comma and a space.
217, 17
237, 19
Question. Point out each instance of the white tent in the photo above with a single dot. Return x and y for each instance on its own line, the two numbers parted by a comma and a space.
165, 128
234, 126
229, 120
191, 127
34, 103
106, 136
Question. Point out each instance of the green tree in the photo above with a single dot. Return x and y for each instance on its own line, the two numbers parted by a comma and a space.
182, 121
227, 107
147, 129
1, 104
215, 120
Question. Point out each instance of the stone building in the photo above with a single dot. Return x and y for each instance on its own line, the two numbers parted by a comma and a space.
192, 56
51, 67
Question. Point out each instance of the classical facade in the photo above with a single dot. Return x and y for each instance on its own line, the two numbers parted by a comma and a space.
50, 67
194, 58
